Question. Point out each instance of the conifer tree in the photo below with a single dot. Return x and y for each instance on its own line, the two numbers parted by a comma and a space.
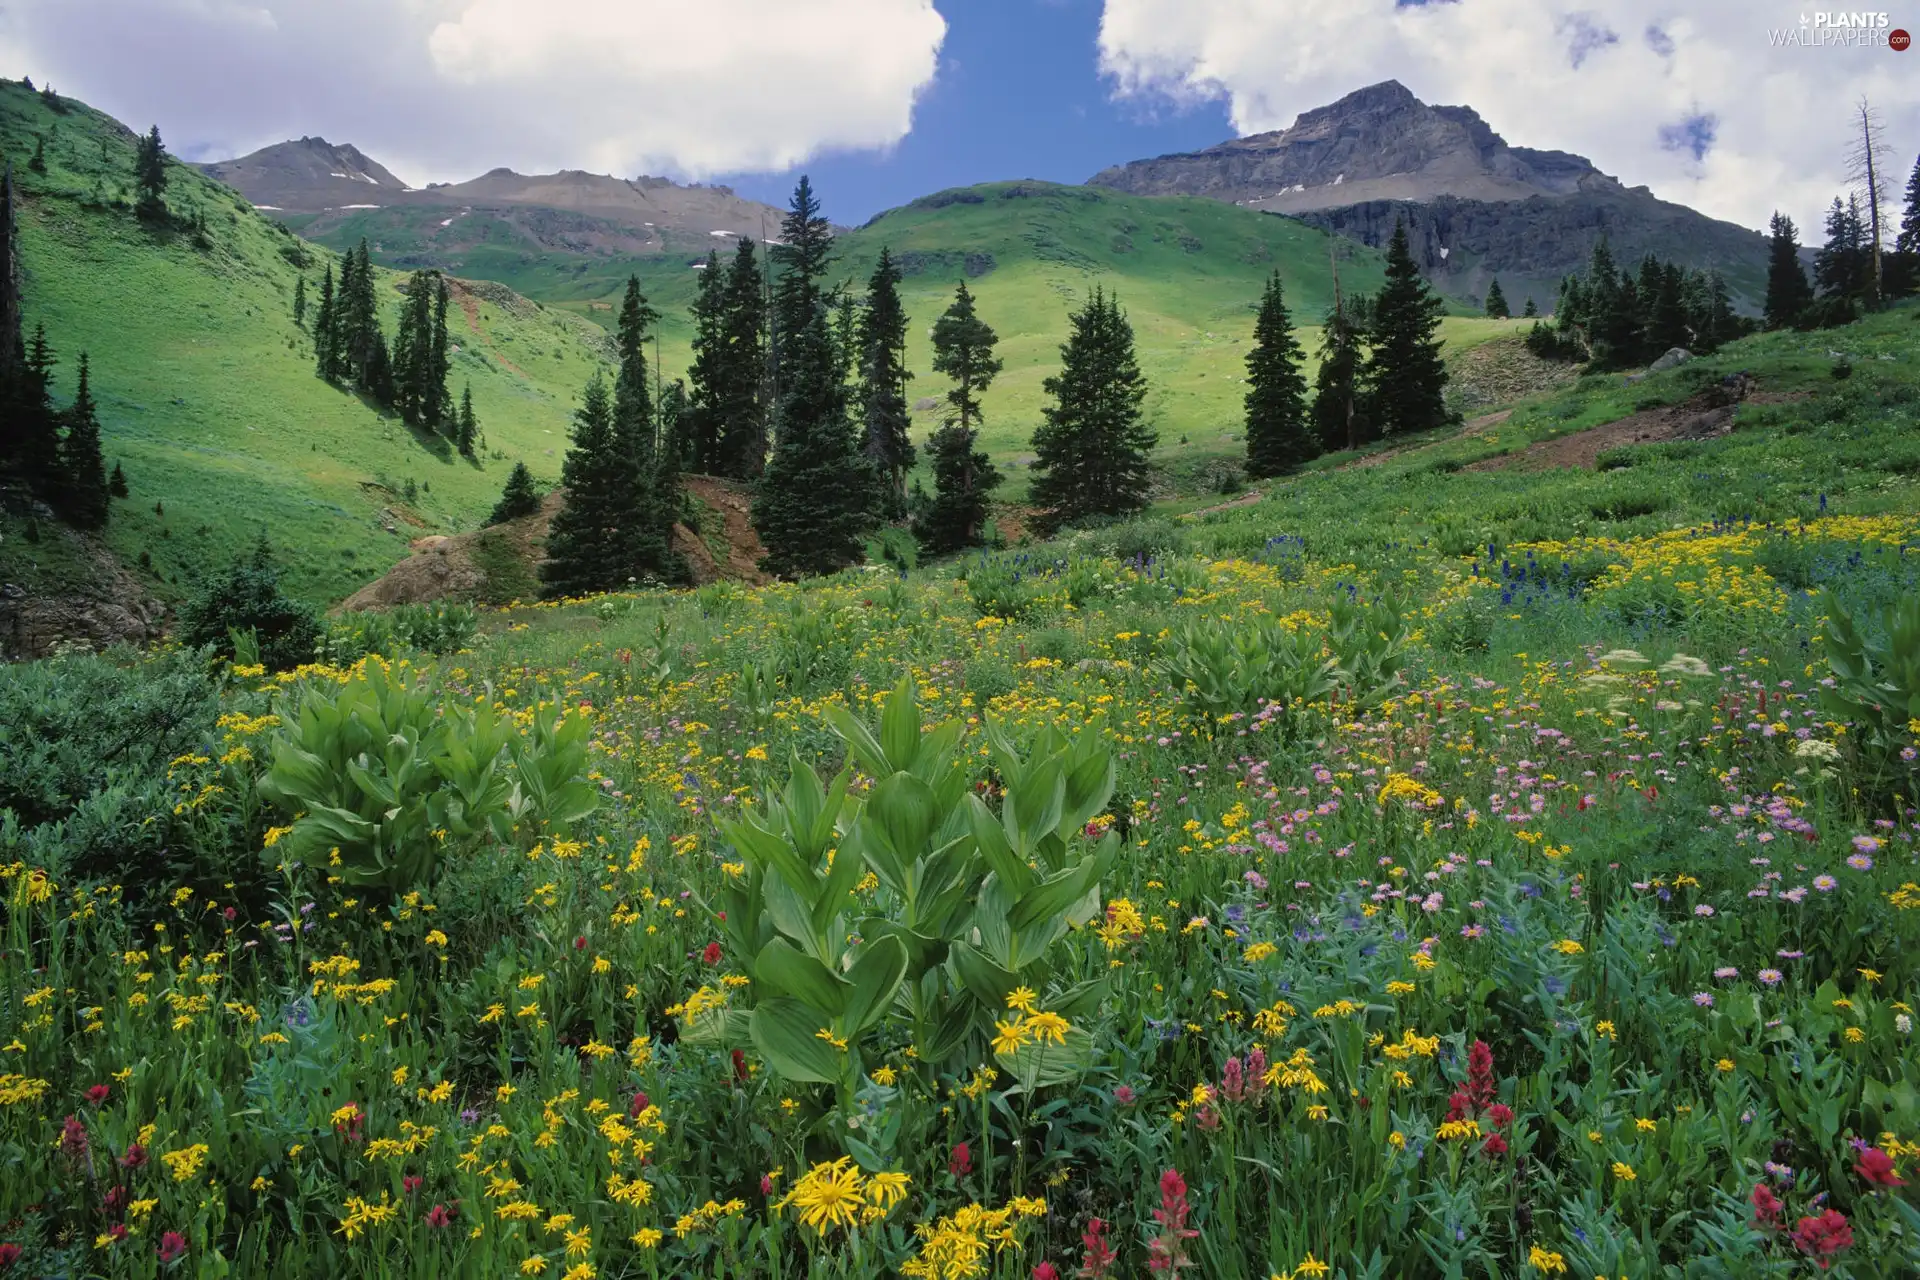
1667, 313
83, 495
300, 301
33, 451
1531, 310
1405, 376
520, 497
963, 475
363, 355
439, 408
708, 373
467, 434
1279, 437
1844, 266
413, 365
1339, 413
39, 162
747, 388
326, 331
14, 427
1788, 292
117, 482
886, 428
582, 544
811, 508
1903, 274
1708, 309
150, 176
1497, 301
645, 528
1093, 452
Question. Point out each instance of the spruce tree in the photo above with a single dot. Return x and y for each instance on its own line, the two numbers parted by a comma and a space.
708, 373
14, 427
1788, 292
1667, 316
1405, 376
1531, 310
744, 391
1709, 310
1339, 411
963, 477
150, 177
886, 427
438, 408
1844, 266
582, 543
467, 434
1279, 437
1497, 301
413, 352
326, 331
34, 452
117, 482
811, 508
963, 350
520, 497
645, 528
363, 354
1904, 269
39, 162
83, 494
1093, 451
300, 301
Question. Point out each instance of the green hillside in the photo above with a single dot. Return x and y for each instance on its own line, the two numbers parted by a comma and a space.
1187, 270
206, 386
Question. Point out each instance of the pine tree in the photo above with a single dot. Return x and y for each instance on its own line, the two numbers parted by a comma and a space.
886, 427
811, 508
963, 350
963, 476
1339, 411
326, 331
519, 498
581, 546
1279, 438
413, 369
438, 409
1667, 316
14, 426
1788, 292
708, 373
1093, 452
39, 162
1531, 310
33, 452
467, 434
300, 301
1708, 308
1405, 376
362, 348
1497, 301
83, 494
150, 176
117, 482
745, 390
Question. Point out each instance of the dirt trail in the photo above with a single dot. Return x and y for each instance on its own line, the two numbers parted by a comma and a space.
471, 307
743, 544
1702, 416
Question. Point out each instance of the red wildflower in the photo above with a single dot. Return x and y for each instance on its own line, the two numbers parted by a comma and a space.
230, 914
116, 1197
638, 1104
1168, 1250
97, 1094
1876, 1166
438, 1216
766, 1184
580, 943
960, 1160
1459, 1107
73, 1139
10, 1254
1098, 1257
1046, 1271
1829, 1233
411, 1183
1766, 1205
1481, 1087
1233, 1081
135, 1157
1124, 1095
117, 1232
739, 1065
1500, 1114
712, 954
172, 1245
1495, 1146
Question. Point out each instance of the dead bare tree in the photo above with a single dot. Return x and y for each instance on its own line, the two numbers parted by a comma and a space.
1866, 160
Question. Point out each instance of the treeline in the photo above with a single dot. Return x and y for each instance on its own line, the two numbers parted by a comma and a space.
410, 377
1854, 271
50, 451
1612, 318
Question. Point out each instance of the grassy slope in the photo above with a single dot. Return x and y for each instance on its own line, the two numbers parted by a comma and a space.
206, 385
1189, 272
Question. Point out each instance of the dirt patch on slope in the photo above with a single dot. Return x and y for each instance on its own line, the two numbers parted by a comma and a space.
502, 562
104, 604
470, 307
1702, 416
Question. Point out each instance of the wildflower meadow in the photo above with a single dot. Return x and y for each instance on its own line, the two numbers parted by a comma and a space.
1536, 906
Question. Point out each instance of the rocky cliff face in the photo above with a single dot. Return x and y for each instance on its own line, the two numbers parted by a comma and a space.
1476, 208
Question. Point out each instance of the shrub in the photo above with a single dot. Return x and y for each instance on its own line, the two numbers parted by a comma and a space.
247, 598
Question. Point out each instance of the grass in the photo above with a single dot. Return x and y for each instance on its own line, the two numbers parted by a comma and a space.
206, 386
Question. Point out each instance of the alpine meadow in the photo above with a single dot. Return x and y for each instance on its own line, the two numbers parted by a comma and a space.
1341, 705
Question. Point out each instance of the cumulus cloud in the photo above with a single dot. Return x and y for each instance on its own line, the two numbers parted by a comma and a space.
439, 89
1701, 105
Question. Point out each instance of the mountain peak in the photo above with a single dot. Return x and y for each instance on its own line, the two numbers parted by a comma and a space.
1378, 142
307, 175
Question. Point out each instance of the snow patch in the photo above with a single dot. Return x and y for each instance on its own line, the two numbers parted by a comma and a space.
717, 233
274, 207
359, 206
336, 175
447, 223
1443, 253
1339, 178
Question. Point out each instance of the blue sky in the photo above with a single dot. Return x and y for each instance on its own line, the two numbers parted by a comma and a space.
1018, 94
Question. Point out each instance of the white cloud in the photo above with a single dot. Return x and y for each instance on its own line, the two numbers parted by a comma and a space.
440, 89
1652, 77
